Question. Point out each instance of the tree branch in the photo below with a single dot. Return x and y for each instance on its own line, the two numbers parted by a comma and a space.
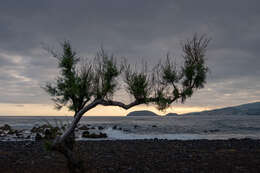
127, 106
119, 104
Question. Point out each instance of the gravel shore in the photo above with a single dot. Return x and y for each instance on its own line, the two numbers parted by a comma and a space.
124, 156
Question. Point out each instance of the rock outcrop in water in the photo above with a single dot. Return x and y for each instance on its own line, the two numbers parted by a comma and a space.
141, 113
245, 109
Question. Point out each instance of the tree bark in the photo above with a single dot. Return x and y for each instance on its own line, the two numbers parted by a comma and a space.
75, 165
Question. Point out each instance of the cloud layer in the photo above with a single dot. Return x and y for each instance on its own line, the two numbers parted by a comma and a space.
131, 28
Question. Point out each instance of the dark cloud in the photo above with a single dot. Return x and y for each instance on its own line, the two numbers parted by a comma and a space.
132, 28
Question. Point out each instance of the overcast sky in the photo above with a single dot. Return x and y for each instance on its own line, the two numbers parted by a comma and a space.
146, 29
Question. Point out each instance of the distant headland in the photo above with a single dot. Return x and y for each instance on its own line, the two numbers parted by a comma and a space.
141, 113
147, 113
245, 109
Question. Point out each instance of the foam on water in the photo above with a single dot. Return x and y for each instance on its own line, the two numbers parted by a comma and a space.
121, 135
118, 134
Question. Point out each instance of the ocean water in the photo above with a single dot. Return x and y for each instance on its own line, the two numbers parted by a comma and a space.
161, 127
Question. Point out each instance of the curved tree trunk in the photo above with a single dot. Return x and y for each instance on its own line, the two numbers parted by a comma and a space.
65, 145
66, 148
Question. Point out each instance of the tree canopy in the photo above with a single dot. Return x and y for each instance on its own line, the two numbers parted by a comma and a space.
83, 86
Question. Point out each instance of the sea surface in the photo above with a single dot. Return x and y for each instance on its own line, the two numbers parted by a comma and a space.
145, 127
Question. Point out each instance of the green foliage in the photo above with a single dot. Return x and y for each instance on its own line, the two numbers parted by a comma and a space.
78, 85
162, 102
169, 72
72, 86
195, 70
138, 84
106, 70
83, 87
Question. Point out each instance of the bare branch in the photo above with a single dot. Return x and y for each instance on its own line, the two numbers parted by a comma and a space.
119, 104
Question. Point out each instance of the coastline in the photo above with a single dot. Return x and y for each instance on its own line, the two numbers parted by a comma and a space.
233, 155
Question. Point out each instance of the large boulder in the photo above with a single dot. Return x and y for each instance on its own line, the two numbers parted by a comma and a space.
86, 134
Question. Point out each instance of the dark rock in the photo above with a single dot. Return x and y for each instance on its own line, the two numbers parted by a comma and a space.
40, 129
38, 137
12, 132
156, 139
214, 130
100, 128
17, 133
84, 127
47, 134
6, 127
86, 134
211, 131
47, 131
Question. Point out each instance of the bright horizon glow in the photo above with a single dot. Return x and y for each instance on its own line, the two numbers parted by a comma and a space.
48, 110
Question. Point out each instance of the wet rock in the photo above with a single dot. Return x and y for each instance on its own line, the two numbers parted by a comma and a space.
86, 134
40, 129
100, 128
52, 133
12, 132
28, 137
7, 130
47, 131
47, 134
83, 127
214, 130
6, 127
211, 131
17, 133
38, 137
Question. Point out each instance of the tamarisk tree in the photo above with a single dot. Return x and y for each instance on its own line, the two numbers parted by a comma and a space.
83, 87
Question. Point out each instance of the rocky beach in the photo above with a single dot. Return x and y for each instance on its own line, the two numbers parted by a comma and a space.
135, 144
124, 156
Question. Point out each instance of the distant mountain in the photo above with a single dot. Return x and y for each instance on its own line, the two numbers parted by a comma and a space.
141, 113
245, 109
171, 114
